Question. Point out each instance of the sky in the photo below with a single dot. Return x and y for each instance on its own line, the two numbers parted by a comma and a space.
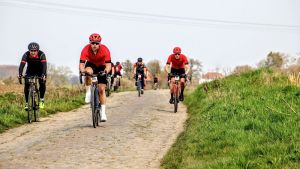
221, 34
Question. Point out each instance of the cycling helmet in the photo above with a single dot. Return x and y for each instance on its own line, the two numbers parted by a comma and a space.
95, 37
33, 46
139, 59
177, 50
117, 63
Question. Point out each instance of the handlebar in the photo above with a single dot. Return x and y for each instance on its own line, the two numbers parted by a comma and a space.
101, 73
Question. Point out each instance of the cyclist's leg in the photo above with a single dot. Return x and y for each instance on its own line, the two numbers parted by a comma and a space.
182, 83
26, 93
88, 83
102, 100
102, 97
42, 90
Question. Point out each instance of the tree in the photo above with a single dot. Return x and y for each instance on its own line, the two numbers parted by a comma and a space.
128, 68
58, 75
274, 60
195, 67
240, 69
154, 67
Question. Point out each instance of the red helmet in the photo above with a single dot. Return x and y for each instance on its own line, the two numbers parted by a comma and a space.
177, 50
95, 37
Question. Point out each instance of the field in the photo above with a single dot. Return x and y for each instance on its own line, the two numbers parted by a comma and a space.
246, 121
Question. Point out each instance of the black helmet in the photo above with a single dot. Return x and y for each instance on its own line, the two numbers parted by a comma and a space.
117, 63
139, 59
33, 46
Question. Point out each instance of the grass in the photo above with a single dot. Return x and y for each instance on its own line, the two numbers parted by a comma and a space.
57, 100
246, 121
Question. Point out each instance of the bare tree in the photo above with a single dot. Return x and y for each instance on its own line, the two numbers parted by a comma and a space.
128, 69
154, 67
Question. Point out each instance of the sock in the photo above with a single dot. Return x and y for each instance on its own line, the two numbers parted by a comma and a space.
103, 108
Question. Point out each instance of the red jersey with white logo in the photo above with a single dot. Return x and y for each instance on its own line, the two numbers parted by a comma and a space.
98, 59
177, 63
117, 68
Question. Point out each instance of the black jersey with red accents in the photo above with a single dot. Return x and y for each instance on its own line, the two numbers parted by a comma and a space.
35, 65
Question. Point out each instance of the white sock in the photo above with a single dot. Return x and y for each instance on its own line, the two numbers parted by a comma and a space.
88, 94
103, 114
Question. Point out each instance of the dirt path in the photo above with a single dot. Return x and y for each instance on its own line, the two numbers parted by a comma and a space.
137, 135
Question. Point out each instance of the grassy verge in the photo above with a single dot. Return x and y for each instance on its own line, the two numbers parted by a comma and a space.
57, 100
246, 121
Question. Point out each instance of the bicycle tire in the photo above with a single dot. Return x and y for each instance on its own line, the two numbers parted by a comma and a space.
36, 110
175, 98
93, 107
97, 110
139, 88
30, 105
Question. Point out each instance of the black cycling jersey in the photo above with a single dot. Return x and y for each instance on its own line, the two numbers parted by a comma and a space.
140, 67
35, 66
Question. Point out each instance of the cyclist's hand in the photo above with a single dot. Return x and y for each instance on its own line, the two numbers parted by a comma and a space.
44, 77
20, 78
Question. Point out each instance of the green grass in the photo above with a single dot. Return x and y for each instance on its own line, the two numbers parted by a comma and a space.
247, 121
12, 113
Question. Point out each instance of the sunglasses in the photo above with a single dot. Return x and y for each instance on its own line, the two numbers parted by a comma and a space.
177, 54
33, 50
95, 43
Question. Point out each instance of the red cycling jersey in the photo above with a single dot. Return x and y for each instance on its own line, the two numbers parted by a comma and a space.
177, 63
117, 68
98, 59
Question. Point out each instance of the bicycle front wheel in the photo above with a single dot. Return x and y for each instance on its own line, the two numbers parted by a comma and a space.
176, 99
36, 108
30, 105
94, 102
139, 86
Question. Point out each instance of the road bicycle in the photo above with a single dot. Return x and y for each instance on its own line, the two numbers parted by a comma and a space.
95, 105
176, 90
33, 111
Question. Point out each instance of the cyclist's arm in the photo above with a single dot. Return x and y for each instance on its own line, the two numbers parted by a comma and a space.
134, 69
44, 64
112, 70
167, 68
107, 67
23, 63
81, 66
187, 68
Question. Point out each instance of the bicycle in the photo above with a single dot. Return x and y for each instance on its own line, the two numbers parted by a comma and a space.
176, 90
33, 98
95, 105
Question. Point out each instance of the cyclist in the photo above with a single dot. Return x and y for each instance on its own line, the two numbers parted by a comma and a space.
179, 65
95, 57
36, 66
118, 67
140, 68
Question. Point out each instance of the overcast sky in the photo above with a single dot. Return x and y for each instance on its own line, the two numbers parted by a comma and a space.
219, 33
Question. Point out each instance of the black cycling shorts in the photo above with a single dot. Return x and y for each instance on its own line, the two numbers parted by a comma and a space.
97, 69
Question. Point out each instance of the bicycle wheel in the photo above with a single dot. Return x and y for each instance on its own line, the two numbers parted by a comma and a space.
30, 105
176, 99
36, 108
93, 105
139, 86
